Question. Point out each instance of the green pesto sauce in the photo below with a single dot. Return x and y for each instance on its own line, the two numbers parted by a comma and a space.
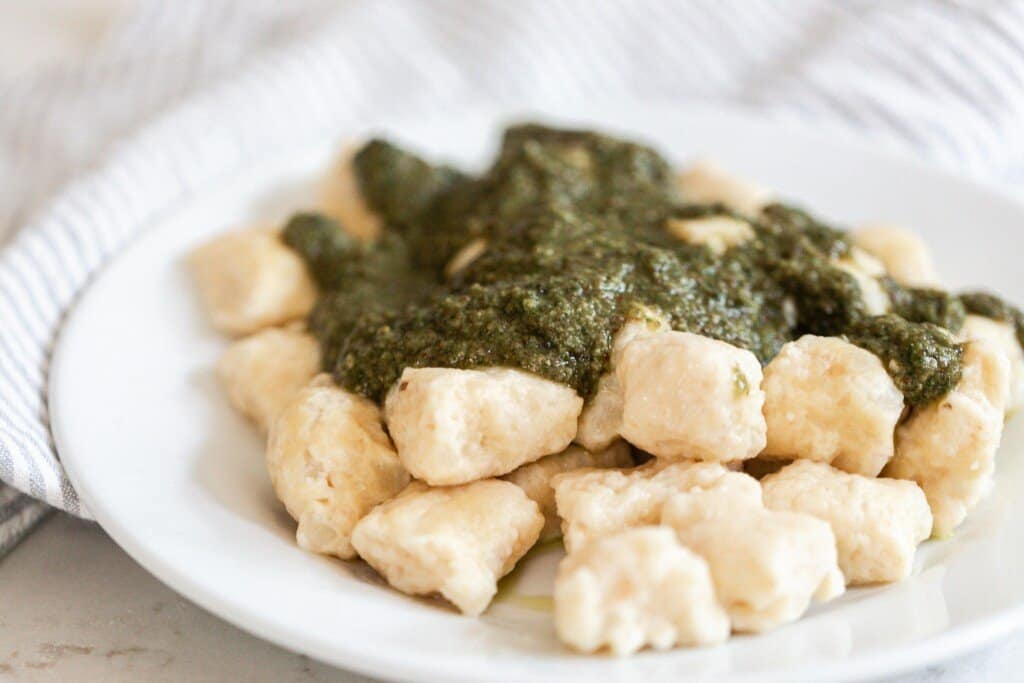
922, 356
925, 305
575, 224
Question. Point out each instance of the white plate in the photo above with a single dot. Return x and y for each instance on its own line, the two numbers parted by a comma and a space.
178, 480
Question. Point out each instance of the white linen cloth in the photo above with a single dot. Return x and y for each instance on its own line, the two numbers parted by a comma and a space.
180, 94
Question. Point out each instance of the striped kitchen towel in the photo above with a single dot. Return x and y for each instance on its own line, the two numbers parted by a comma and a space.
181, 94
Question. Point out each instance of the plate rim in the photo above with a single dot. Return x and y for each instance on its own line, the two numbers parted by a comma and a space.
945, 645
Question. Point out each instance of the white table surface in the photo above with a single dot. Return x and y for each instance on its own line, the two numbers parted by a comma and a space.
75, 607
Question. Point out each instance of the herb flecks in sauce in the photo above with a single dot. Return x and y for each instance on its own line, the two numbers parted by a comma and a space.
576, 241
925, 305
923, 359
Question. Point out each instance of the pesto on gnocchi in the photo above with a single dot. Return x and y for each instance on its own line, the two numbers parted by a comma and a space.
723, 407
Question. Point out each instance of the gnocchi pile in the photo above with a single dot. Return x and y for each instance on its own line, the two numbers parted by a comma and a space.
699, 491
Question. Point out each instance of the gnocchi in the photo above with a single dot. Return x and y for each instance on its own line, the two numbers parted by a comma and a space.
1003, 336
685, 396
865, 269
600, 422
249, 280
767, 565
949, 447
535, 478
261, 373
878, 523
597, 502
456, 541
456, 426
637, 588
341, 198
830, 401
330, 463
905, 256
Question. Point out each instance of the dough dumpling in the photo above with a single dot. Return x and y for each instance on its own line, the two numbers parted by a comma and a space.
597, 502
261, 373
767, 565
250, 280
1004, 336
685, 396
905, 256
535, 478
455, 426
455, 540
330, 463
830, 401
601, 420
637, 588
948, 447
878, 523
866, 269
341, 198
